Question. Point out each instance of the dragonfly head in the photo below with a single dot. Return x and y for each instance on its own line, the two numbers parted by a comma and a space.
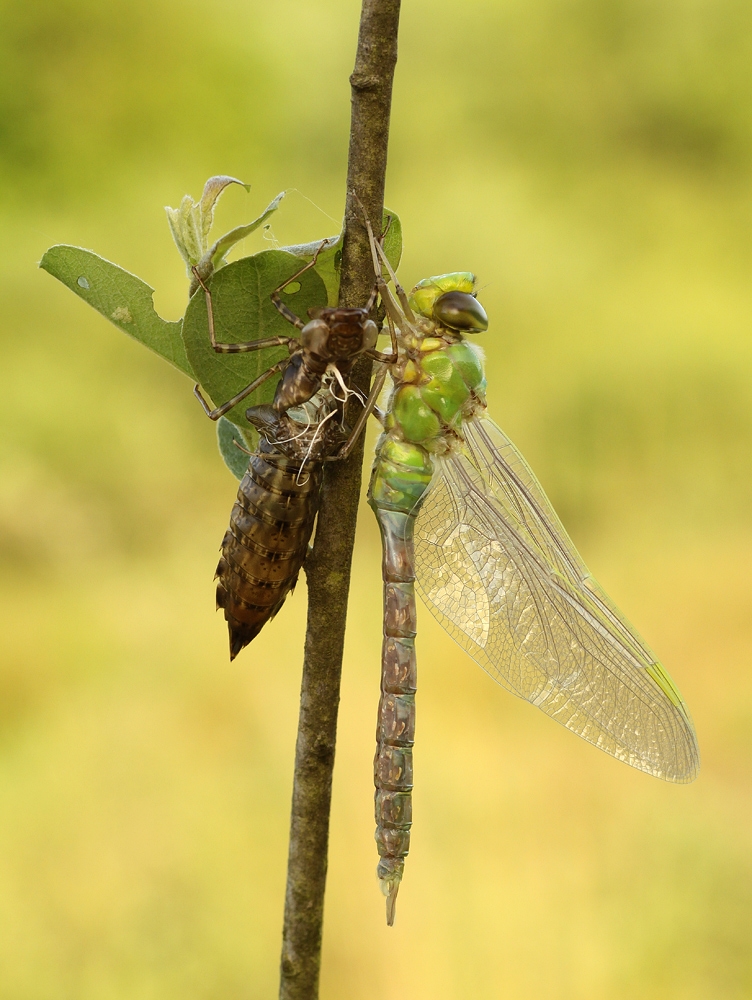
449, 299
460, 311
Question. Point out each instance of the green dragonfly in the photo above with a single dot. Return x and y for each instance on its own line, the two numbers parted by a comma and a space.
463, 517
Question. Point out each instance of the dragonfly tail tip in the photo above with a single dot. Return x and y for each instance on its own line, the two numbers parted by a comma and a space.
391, 905
389, 873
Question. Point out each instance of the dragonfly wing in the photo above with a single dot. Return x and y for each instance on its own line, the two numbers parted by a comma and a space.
499, 572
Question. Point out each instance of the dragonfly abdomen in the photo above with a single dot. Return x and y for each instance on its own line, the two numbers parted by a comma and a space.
266, 543
401, 475
395, 734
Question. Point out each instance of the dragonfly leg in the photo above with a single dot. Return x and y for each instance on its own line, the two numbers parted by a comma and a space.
370, 406
243, 346
392, 309
279, 305
401, 294
226, 407
393, 337
372, 298
387, 359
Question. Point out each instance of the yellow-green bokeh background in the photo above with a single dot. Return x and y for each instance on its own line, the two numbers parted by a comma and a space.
590, 160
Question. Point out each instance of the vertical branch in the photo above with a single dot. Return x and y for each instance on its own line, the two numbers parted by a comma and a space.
328, 567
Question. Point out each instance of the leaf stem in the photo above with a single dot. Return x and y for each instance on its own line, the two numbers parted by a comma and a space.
328, 567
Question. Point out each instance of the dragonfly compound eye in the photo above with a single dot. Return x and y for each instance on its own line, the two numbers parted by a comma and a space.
460, 311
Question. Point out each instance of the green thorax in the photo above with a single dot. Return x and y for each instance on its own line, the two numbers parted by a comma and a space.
438, 384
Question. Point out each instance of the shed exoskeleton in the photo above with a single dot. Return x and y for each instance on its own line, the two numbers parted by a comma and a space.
271, 522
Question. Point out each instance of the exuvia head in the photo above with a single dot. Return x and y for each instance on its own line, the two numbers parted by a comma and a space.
449, 299
336, 332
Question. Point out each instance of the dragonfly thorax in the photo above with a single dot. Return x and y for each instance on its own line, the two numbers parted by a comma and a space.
436, 389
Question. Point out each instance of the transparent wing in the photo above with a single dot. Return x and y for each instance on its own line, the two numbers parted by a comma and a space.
497, 569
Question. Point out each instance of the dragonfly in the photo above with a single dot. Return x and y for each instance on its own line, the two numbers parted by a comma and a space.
465, 522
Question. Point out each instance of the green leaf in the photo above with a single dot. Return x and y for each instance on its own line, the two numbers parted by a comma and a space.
233, 447
327, 264
190, 222
212, 190
185, 233
243, 311
216, 253
329, 260
121, 297
393, 238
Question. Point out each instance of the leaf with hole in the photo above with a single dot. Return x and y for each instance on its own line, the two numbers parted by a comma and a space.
120, 297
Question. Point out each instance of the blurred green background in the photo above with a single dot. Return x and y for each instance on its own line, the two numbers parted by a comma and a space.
590, 160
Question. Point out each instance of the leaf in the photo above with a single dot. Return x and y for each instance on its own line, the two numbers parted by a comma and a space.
191, 221
233, 447
393, 237
121, 297
327, 264
243, 311
184, 229
216, 253
212, 190
329, 260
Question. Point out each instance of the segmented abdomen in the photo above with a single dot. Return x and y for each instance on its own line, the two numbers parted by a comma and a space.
266, 543
401, 475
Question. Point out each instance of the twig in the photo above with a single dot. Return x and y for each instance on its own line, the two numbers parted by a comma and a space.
328, 567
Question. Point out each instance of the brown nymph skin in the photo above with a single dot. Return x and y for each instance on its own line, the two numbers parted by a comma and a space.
271, 521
